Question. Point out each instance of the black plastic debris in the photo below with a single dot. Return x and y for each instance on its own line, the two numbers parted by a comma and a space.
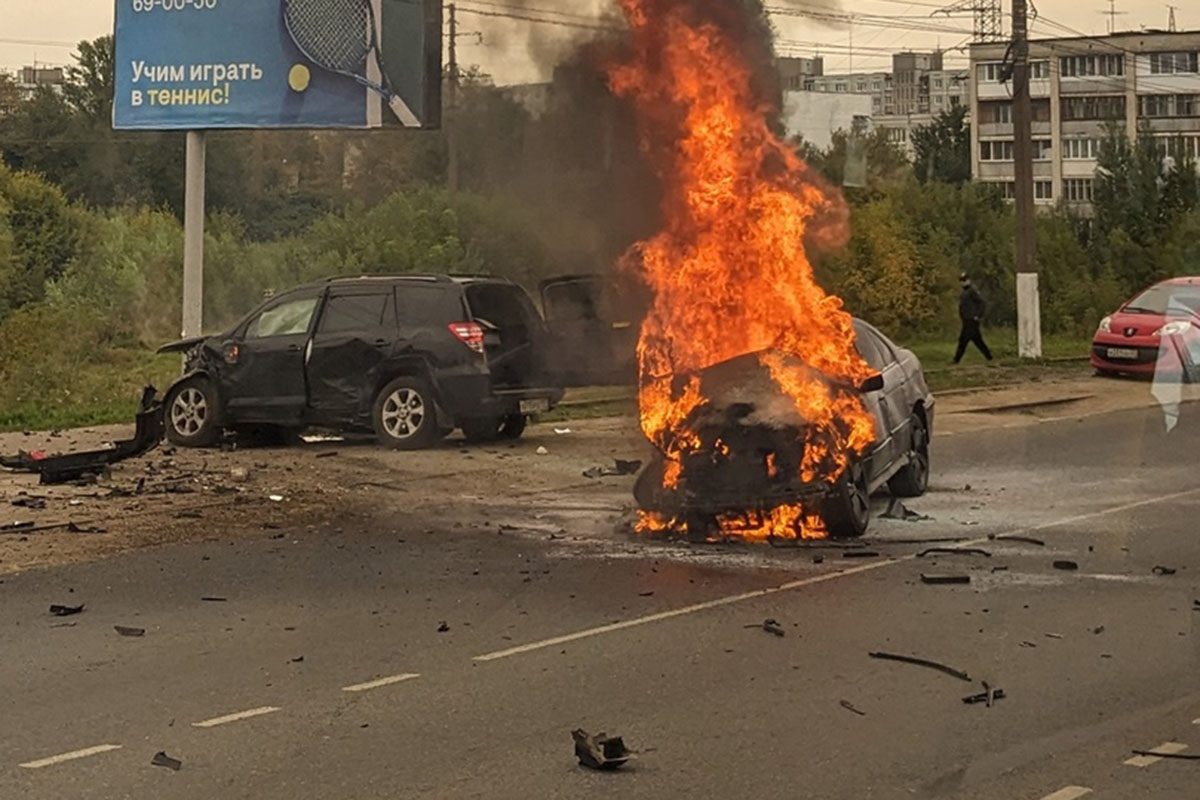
922, 662
897, 510
125, 630
33, 503
619, 467
66, 611
988, 696
962, 551
213, 599
83, 527
768, 625
846, 704
17, 526
443, 626
1099, 629
1157, 754
600, 751
1160, 570
1016, 538
1065, 564
161, 759
860, 554
298, 660
944, 580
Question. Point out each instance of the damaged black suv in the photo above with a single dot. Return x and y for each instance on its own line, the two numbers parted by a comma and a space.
411, 357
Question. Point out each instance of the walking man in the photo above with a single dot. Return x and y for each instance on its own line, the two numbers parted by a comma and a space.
970, 310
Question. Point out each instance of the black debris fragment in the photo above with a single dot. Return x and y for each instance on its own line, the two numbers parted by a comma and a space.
619, 467
768, 625
922, 662
125, 630
1157, 754
327, 454
846, 704
1016, 538
213, 599
1160, 570
860, 554
31, 502
443, 627
962, 551
161, 759
1099, 629
897, 510
942, 580
83, 527
646, 594
298, 659
821, 560
66, 611
17, 526
600, 751
1066, 565
988, 696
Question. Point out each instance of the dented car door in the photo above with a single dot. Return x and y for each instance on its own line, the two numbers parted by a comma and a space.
355, 334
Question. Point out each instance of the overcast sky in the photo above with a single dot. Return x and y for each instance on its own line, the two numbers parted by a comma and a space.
46, 30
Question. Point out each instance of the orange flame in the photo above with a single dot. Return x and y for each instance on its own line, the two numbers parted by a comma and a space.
729, 271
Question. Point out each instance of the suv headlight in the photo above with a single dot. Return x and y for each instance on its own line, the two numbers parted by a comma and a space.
1173, 328
1106, 325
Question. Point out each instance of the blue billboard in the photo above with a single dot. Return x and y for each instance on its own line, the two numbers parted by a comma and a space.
202, 64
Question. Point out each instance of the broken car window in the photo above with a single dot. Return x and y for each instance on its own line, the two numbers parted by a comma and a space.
355, 312
286, 319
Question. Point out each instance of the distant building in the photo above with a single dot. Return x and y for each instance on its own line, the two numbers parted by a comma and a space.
1139, 79
794, 72
816, 116
29, 79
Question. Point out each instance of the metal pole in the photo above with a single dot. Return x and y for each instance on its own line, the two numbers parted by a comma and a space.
1029, 320
193, 236
451, 117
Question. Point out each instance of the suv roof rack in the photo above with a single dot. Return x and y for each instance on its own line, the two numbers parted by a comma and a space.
384, 276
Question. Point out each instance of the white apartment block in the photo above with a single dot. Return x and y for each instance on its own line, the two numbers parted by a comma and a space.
1078, 86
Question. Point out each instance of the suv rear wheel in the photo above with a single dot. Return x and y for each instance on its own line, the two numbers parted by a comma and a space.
191, 410
404, 414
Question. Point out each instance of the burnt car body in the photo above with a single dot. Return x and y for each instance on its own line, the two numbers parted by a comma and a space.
409, 356
752, 442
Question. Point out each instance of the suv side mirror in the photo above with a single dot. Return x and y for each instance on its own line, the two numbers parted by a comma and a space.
872, 384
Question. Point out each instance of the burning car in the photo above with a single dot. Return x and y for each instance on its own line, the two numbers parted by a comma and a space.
747, 468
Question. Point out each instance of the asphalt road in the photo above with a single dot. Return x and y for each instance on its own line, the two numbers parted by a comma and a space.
323, 673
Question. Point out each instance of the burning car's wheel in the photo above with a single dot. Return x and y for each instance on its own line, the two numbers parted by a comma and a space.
913, 479
404, 415
192, 413
847, 508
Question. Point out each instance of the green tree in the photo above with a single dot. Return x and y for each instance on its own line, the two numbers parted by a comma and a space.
90, 80
943, 148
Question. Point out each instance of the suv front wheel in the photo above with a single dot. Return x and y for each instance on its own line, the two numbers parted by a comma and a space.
191, 413
404, 415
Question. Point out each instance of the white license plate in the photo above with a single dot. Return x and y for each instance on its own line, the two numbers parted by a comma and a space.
536, 406
1122, 353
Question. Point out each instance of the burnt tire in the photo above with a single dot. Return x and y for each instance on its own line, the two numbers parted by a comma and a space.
913, 479
405, 414
191, 409
847, 508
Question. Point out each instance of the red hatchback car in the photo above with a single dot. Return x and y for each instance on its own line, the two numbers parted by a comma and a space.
1156, 332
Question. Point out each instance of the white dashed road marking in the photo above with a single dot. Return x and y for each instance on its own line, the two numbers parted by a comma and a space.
84, 753
239, 716
1068, 793
1168, 748
380, 682
738, 598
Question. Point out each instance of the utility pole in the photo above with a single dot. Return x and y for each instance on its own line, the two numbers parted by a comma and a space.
451, 117
1171, 18
1029, 314
193, 236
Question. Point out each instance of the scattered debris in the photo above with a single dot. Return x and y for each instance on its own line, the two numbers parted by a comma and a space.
32, 503
897, 510
768, 625
1000, 568
846, 704
542, 451
1164, 570
161, 759
1016, 538
939, 580
127, 631
1065, 564
298, 659
83, 527
600, 751
275, 498
239, 474
1053, 636
66, 611
328, 454
988, 696
962, 551
1028, 644
646, 594
821, 560
619, 468
213, 599
17, 526
443, 627
1159, 754
860, 554
922, 662
562, 431
74, 466
1099, 629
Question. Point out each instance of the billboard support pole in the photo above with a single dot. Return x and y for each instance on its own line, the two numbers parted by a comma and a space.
193, 236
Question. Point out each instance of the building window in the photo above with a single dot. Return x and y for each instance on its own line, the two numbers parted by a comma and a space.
1168, 105
996, 151
839, 87
1039, 69
1081, 149
937, 83
1170, 63
1007, 188
1178, 146
1087, 66
860, 87
1041, 149
937, 100
989, 73
955, 101
1078, 190
1043, 190
1108, 107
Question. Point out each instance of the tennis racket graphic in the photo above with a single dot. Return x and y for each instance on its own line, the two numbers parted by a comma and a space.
339, 36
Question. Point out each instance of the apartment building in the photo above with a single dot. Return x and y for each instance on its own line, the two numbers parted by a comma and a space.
1079, 86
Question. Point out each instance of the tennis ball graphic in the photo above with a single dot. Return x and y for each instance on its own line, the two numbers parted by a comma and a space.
299, 77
